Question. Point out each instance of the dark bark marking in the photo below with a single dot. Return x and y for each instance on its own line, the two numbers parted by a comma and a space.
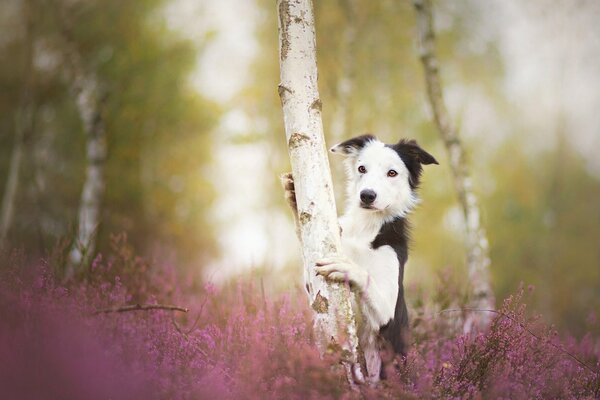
284, 21
297, 138
281, 89
316, 105
321, 304
305, 217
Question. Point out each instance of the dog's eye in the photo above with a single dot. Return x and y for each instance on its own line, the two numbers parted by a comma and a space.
362, 169
392, 173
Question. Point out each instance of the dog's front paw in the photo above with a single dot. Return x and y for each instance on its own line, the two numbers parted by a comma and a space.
287, 181
341, 269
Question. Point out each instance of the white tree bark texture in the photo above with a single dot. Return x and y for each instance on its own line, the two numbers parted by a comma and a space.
334, 320
89, 100
478, 261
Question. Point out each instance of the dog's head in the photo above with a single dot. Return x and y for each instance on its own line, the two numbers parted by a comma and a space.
383, 177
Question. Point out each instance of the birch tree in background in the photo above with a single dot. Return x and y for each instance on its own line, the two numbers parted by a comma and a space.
334, 321
478, 261
23, 120
89, 99
23, 125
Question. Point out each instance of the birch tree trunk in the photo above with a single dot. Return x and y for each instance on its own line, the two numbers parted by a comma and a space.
23, 125
89, 101
478, 261
334, 321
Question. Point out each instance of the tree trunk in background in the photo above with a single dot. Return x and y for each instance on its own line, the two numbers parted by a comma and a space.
345, 83
334, 321
89, 101
478, 261
23, 125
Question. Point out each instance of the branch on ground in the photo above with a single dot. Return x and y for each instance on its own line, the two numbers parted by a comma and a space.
140, 307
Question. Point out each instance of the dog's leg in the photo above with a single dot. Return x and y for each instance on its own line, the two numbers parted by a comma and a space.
287, 181
341, 269
373, 361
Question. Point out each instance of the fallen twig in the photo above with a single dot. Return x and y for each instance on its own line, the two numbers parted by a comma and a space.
140, 307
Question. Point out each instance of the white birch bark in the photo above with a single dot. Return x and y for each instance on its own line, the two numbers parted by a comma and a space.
334, 321
478, 261
88, 100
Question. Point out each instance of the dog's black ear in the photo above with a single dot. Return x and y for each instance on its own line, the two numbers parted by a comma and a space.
414, 158
352, 146
412, 148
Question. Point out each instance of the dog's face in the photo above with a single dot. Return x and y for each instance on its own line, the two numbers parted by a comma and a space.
383, 177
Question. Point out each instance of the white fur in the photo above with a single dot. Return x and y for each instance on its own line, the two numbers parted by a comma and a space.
373, 273
394, 195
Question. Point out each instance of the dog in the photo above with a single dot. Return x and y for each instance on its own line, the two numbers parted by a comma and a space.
381, 191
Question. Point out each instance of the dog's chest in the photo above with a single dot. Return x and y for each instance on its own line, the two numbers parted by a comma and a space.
381, 263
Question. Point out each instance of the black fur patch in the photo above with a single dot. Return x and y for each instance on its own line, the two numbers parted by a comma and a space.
352, 146
396, 235
414, 157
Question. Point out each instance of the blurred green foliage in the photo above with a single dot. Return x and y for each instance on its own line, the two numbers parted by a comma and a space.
157, 125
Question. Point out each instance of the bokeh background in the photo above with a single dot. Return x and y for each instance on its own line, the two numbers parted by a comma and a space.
196, 142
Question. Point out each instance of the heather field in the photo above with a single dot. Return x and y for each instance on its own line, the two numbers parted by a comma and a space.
77, 341
181, 181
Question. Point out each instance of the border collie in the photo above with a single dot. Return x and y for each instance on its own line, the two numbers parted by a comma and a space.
381, 192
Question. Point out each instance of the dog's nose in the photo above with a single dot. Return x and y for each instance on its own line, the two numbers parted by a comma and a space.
368, 196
